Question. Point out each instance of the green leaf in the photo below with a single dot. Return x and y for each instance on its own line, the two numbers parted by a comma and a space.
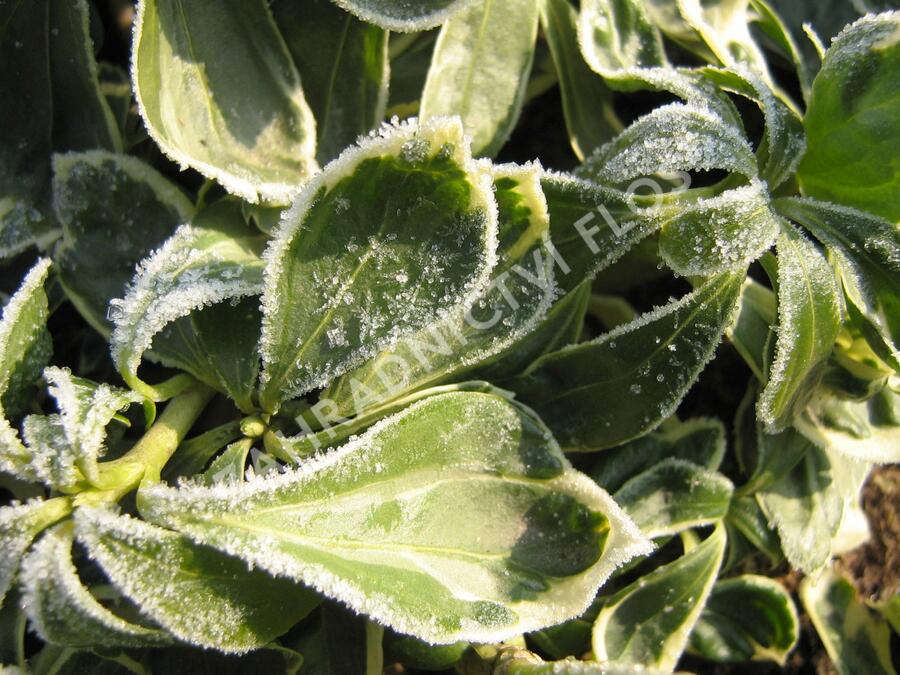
618, 35
218, 345
857, 640
725, 29
26, 119
699, 441
774, 26
19, 525
853, 120
344, 66
865, 249
517, 299
809, 318
215, 258
746, 518
750, 332
250, 127
784, 141
749, 617
25, 349
593, 226
12, 631
649, 622
807, 505
79, 430
673, 496
721, 233
404, 17
480, 67
599, 394
333, 641
445, 521
63, 611
522, 662
114, 210
414, 653
866, 430
229, 466
188, 661
82, 119
560, 328
197, 594
397, 234
586, 100
674, 137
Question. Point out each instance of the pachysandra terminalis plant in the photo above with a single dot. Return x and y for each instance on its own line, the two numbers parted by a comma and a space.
355, 389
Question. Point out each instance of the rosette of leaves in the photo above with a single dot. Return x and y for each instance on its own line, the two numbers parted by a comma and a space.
372, 342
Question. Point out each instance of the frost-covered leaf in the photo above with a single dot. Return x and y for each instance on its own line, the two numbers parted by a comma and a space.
753, 326
674, 495
699, 441
230, 465
649, 622
560, 328
725, 29
63, 611
617, 35
853, 120
749, 617
809, 317
866, 430
586, 100
784, 141
857, 640
26, 119
867, 251
218, 345
114, 210
674, 137
456, 519
601, 393
480, 67
85, 409
520, 293
25, 349
82, 119
343, 63
250, 127
774, 26
199, 595
404, 16
592, 226
396, 234
215, 258
19, 525
721, 233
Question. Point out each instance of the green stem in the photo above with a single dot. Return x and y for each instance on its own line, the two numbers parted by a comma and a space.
150, 454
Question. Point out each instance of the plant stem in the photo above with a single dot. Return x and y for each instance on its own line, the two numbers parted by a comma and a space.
150, 454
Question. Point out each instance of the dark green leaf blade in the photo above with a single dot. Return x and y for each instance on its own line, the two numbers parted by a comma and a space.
749, 617
654, 360
114, 210
397, 233
344, 66
853, 121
